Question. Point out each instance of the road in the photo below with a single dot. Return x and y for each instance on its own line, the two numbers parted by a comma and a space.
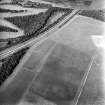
41, 38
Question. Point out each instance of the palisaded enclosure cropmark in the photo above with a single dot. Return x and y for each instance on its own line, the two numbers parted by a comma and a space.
61, 75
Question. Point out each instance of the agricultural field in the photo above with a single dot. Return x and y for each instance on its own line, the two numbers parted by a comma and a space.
51, 52
95, 14
8, 64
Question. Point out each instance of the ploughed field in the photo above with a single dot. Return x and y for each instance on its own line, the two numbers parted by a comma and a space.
95, 14
8, 64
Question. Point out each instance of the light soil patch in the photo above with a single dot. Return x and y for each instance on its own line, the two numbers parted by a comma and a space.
77, 33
